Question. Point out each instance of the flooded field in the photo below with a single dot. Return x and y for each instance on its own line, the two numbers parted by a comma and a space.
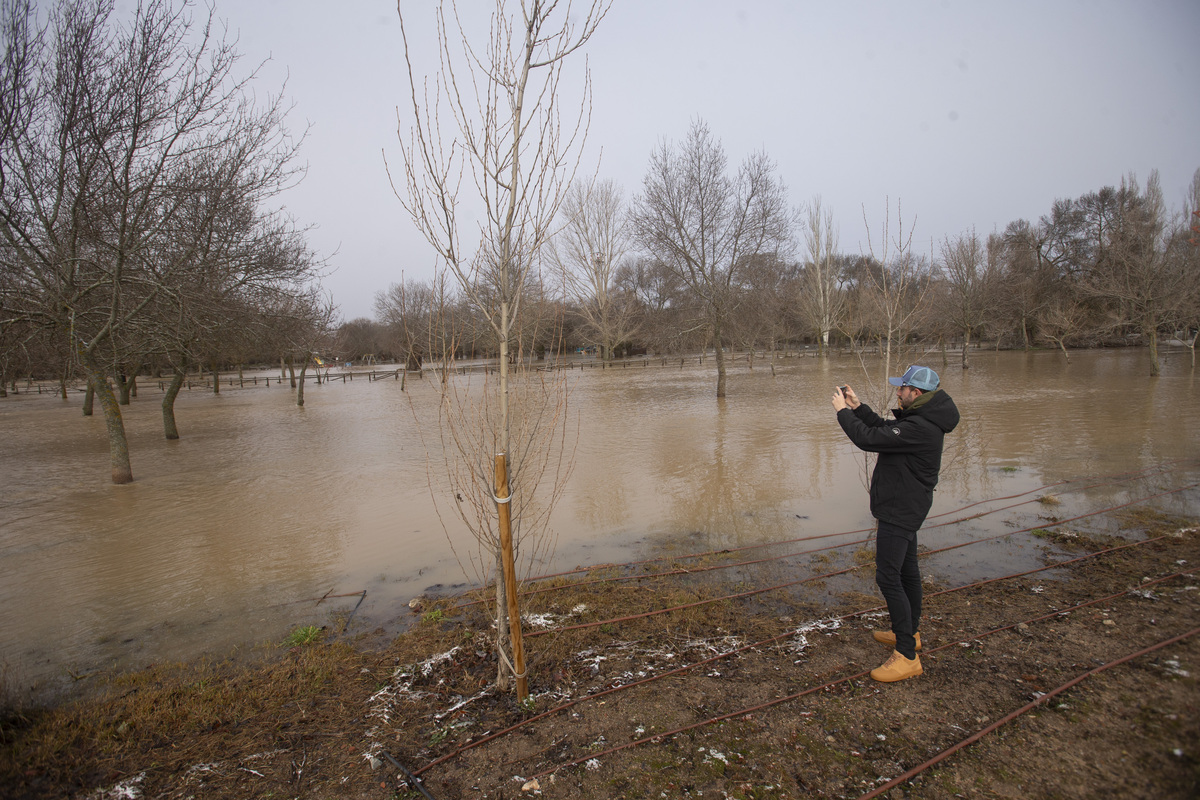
230, 536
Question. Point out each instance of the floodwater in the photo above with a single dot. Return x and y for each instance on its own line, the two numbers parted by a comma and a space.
230, 536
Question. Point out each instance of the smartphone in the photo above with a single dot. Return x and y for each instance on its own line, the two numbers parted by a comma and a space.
843, 389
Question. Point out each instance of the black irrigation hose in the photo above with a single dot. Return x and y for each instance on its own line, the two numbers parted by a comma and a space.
975, 737
765, 642
788, 584
780, 700
409, 777
1123, 477
362, 596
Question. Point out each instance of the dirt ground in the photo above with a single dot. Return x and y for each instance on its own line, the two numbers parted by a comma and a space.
759, 696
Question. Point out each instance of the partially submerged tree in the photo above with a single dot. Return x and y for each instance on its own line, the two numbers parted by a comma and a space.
500, 101
968, 278
408, 311
706, 226
124, 145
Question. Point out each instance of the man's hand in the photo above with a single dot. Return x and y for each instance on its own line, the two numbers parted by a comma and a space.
847, 399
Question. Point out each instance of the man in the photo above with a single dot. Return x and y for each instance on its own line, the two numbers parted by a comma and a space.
910, 456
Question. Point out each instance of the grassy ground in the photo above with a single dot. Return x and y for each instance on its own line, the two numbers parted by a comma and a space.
779, 672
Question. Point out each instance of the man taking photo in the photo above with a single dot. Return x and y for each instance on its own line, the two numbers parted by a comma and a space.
906, 472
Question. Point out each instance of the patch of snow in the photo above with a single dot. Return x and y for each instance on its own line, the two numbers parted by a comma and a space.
125, 790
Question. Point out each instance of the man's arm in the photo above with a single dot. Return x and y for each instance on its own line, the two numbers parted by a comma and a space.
896, 436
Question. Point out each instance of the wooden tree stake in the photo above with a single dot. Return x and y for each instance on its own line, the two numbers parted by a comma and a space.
510, 576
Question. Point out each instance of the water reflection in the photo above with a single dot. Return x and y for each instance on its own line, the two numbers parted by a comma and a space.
230, 534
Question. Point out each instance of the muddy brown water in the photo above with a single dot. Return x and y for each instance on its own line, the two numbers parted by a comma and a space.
230, 535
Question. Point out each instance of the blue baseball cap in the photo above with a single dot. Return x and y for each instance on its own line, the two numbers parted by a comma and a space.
923, 378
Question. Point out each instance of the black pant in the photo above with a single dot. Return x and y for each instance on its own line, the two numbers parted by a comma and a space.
899, 578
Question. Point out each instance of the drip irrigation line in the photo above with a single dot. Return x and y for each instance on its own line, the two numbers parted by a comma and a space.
780, 700
975, 737
362, 596
774, 639
686, 571
411, 779
797, 582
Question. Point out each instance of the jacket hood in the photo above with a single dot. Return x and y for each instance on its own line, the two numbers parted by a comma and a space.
935, 406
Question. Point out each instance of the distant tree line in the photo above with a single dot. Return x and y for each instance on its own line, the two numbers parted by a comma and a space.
137, 170
706, 257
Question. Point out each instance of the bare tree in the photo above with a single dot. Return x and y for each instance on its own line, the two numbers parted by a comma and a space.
707, 226
662, 304
896, 292
586, 252
501, 103
406, 308
111, 130
764, 299
361, 339
968, 276
1185, 249
306, 327
821, 296
1068, 318
1028, 276
1138, 273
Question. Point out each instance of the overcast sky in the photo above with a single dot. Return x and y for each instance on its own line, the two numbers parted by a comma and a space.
971, 114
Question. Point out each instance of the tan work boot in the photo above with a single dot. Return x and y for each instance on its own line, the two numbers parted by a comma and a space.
897, 668
889, 638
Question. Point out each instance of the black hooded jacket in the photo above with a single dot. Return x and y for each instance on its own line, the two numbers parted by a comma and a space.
910, 454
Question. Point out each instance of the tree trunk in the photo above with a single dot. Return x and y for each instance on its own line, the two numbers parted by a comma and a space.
216, 378
89, 397
720, 370
966, 364
291, 368
118, 444
300, 385
124, 388
170, 431
1155, 364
